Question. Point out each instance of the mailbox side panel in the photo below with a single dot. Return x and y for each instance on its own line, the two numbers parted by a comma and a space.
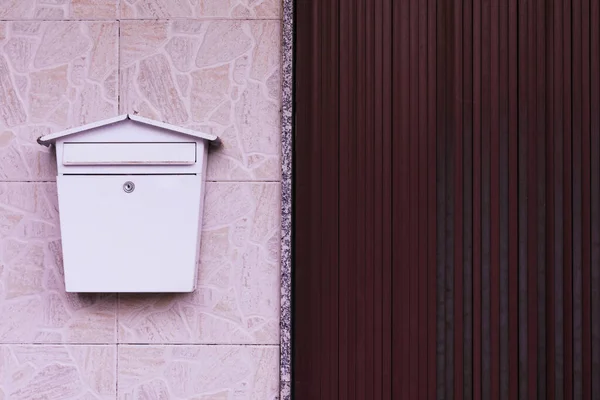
202, 160
142, 241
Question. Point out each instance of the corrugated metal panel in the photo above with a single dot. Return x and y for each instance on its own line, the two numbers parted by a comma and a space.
447, 221
365, 220
525, 179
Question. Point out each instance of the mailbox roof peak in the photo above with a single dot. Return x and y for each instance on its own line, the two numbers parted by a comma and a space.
47, 140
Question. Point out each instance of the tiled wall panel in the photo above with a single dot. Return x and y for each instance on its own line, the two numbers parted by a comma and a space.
58, 372
59, 10
230, 9
198, 372
53, 75
212, 65
237, 295
222, 76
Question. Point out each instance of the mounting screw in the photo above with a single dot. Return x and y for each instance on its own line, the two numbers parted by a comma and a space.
128, 187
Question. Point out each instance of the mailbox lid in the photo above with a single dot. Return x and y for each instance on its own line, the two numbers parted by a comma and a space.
142, 241
129, 153
107, 158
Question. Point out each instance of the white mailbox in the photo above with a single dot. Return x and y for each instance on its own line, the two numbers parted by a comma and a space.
130, 194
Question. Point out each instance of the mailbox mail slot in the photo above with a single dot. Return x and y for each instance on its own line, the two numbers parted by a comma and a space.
129, 153
130, 196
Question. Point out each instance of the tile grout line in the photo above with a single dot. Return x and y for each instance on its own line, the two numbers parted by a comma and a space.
202, 19
117, 371
119, 79
209, 181
104, 344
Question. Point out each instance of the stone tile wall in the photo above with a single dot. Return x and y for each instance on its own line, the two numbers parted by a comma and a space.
205, 64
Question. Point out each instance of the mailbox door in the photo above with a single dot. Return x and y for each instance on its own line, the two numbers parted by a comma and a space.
119, 237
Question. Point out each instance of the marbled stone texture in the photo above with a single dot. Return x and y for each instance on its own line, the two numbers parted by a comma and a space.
230, 9
53, 75
220, 76
285, 322
198, 372
287, 107
237, 295
34, 306
213, 65
138, 9
46, 372
58, 9
236, 300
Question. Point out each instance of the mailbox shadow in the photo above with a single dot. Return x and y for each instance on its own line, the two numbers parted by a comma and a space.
163, 297
159, 301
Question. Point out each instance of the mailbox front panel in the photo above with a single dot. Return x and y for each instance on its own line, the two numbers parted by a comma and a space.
130, 233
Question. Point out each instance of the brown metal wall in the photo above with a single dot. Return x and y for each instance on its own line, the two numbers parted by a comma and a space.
447, 199
365, 216
517, 155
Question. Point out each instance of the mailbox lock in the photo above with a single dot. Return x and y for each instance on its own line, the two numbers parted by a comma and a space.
128, 187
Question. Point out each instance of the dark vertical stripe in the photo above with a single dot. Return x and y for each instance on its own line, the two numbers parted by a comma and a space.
387, 158
302, 363
555, 386
452, 190
316, 196
577, 199
353, 205
467, 65
413, 133
317, 280
584, 379
495, 150
595, 198
379, 165
503, 60
369, 264
320, 280
308, 119
354, 159
541, 101
486, 351
421, 348
513, 179
441, 309
432, 197
494, 277
477, 113
345, 257
450, 143
532, 298
524, 370
567, 211
361, 206
401, 256
404, 261
457, 110
551, 74
330, 70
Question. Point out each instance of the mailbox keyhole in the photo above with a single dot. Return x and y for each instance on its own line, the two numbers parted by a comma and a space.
128, 187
